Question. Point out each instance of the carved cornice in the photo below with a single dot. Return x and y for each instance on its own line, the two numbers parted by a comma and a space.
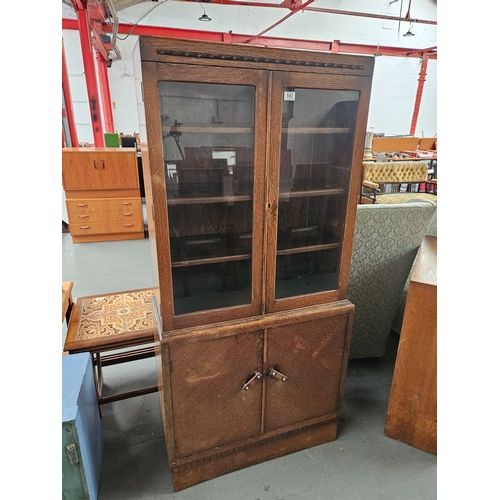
265, 60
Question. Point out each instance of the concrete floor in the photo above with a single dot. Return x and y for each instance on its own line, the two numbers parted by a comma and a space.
361, 464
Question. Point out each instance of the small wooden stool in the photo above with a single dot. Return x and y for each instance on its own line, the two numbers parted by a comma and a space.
113, 322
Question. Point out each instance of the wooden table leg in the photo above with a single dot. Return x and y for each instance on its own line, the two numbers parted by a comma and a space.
99, 379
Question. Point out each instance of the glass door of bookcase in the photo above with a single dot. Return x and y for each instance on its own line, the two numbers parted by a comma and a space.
209, 139
317, 131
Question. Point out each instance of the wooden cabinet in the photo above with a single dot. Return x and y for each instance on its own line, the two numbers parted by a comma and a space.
412, 409
252, 163
102, 194
242, 392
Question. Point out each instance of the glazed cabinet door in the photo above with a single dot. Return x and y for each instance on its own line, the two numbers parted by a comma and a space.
216, 391
208, 191
304, 371
315, 127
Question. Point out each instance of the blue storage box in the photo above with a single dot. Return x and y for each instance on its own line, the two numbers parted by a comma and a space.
82, 443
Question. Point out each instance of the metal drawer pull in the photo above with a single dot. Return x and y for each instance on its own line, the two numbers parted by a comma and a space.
277, 374
256, 376
81, 205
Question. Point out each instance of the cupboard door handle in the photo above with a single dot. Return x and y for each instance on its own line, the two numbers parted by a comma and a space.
256, 376
277, 374
102, 163
95, 164
81, 205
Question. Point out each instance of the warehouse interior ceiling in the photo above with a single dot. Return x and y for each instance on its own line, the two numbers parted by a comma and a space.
399, 28
108, 18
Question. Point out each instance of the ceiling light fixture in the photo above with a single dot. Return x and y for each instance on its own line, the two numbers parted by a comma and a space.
204, 17
409, 33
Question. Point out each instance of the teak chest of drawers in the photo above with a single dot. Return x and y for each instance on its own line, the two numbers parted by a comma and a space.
102, 194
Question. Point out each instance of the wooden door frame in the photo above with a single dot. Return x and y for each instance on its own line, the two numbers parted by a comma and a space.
154, 73
326, 82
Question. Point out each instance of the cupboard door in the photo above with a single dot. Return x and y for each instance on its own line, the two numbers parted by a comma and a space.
310, 356
81, 170
210, 405
118, 169
314, 124
213, 128
99, 169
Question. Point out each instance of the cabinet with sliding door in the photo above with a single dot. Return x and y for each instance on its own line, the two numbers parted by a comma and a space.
252, 164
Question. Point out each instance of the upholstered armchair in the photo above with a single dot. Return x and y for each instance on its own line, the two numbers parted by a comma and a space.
395, 173
397, 322
386, 241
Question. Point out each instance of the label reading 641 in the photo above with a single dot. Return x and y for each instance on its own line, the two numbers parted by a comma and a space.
289, 95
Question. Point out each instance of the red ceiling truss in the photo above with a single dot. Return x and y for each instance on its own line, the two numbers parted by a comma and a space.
95, 30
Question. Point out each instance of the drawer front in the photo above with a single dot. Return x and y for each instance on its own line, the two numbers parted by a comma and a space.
80, 229
104, 217
103, 210
123, 209
88, 205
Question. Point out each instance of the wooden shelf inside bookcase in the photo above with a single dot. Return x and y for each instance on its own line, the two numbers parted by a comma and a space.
211, 260
249, 130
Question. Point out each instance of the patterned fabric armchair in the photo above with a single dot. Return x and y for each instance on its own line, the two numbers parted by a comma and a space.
386, 241
397, 323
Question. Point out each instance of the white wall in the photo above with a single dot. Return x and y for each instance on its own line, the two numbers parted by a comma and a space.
395, 78
394, 89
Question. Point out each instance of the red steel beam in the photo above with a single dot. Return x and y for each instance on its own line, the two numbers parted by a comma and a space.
294, 11
68, 101
99, 44
90, 78
215, 36
418, 97
407, 18
107, 108
370, 15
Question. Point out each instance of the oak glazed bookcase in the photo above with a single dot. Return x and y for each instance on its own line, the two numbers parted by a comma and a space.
252, 162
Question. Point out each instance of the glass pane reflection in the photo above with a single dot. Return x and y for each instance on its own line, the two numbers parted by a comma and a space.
317, 140
208, 149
